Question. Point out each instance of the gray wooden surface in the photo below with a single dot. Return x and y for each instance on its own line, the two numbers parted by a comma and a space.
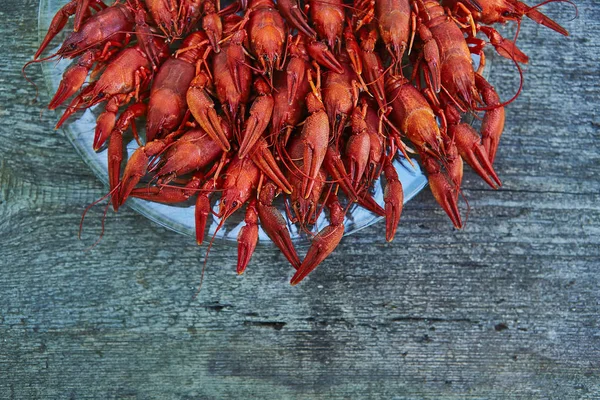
506, 308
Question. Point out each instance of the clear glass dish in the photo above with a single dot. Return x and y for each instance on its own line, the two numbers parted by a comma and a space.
79, 129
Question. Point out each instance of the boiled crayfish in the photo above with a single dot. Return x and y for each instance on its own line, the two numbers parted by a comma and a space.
307, 102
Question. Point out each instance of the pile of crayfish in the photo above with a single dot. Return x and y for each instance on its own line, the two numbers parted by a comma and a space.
255, 99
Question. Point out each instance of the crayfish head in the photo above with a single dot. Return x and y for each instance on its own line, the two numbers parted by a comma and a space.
239, 185
96, 96
269, 61
307, 210
368, 39
303, 209
189, 14
165, 17
230, 203
73, 45
504, 11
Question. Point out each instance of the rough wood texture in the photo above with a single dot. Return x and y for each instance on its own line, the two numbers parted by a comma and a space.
507, 307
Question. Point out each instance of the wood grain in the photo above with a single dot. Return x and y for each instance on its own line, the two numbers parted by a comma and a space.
506, 308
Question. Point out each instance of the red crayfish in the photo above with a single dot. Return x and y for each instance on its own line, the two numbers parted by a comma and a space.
287, 111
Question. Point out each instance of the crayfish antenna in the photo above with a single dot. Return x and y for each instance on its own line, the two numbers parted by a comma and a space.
87, 209
212, 240
27, 64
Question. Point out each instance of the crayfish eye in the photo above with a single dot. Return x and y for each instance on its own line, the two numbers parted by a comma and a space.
234, 204
189, 19
72, 46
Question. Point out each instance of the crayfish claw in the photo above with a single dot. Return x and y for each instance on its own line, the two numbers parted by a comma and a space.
58, 23
247, 238
274, 224
264, 160
323, 56
73, 79
542, 19
445, 185
492, 124
324, 242
335, 167
472, 151
203, 210
394, 200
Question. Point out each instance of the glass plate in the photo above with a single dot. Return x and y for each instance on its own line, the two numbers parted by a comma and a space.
79, 129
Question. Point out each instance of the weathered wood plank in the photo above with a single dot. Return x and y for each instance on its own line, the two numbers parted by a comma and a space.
507, 307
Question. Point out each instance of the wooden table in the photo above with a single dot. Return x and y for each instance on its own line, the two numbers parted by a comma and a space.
506, 308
